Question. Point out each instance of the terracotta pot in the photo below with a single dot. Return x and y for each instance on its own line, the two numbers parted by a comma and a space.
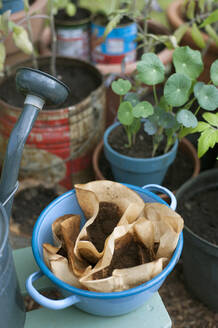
174, 14
185, 146
38, 7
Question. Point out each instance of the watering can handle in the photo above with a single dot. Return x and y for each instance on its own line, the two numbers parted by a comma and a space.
155, 187
47, 302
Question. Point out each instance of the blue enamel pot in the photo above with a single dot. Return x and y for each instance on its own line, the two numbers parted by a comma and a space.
137, 171
13, 5
103, 304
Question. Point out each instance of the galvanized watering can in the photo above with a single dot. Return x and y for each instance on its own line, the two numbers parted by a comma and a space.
39, 88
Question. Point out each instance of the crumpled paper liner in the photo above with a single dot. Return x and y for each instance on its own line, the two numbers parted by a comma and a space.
94, 198
139, 247
126, 277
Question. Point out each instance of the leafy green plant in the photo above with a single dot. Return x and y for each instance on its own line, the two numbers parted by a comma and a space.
23, 38
170, 115
202, 15
19, 35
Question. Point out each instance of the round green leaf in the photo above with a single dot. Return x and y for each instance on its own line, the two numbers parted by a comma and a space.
150, 127
132, 97
124, 113
188, 62
121, 86
135, 126
214, 72
176, 89
150, 69
143, 109
187, 118
208, 97
197, 88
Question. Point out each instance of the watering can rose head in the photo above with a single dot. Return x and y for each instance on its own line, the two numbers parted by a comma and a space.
171, 114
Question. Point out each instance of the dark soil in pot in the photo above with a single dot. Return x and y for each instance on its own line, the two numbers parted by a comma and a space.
82, 15
200, 213
143, 144
78, 75
27, 206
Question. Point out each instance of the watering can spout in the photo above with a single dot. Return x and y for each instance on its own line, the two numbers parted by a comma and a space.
39, 88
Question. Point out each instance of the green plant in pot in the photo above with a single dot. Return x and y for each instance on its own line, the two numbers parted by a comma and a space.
197, 23
155, 129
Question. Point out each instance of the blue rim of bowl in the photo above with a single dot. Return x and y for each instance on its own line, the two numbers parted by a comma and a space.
90, 294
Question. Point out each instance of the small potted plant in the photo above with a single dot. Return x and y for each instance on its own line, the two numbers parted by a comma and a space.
144, 142
18, 16
196, 22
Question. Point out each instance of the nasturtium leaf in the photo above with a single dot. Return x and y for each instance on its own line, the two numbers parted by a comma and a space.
214, 72
124, 113
208, 97
150, 127
132, 97
211, 118
197, 88
150, 69
187, 118
135, 126
188, 62
143, 109
176, 89
207, 140
168, 120
163, 103
121, 86
197, 36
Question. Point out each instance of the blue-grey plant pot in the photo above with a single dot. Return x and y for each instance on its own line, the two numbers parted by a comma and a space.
200, 257
13, 5
137, 171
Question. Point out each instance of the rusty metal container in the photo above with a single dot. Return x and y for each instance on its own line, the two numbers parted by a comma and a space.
60, 145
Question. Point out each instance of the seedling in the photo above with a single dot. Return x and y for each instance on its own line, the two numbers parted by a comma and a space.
170, 115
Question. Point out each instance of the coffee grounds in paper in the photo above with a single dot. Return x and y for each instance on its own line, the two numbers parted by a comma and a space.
104, 224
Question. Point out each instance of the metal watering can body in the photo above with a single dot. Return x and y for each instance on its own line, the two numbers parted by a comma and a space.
38, 87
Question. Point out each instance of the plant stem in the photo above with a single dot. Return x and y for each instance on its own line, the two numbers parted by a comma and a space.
197, 110
145, 17
30, 33
155, 95
128, 136
190, 103
53, 43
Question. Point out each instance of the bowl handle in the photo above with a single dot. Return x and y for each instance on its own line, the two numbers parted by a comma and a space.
47, 302
156, 187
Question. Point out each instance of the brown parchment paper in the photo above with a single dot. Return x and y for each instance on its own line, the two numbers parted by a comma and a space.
139, 247
94, 198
